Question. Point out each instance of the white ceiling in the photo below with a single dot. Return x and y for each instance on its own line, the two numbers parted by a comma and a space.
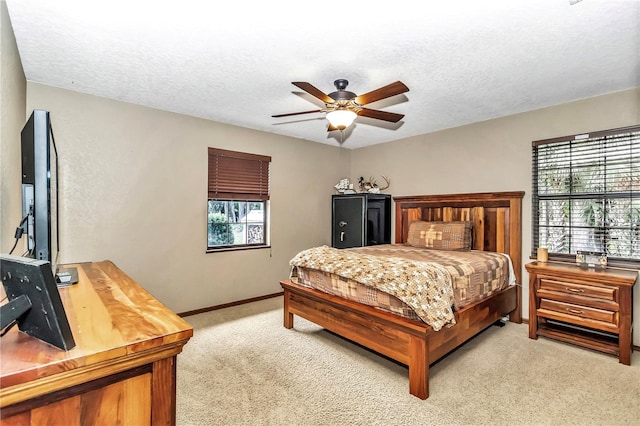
233, 62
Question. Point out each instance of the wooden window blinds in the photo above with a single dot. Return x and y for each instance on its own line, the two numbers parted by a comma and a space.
238, 175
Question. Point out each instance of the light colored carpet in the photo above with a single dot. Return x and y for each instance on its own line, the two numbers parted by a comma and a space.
242, 367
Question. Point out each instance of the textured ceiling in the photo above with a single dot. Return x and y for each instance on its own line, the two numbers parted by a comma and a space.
234, 61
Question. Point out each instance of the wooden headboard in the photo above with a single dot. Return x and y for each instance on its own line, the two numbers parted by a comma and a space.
496, 218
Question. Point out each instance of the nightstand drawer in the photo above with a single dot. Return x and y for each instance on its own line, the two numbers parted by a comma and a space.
583, 290
577, 312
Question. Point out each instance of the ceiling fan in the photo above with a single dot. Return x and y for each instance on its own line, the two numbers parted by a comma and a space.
343, 106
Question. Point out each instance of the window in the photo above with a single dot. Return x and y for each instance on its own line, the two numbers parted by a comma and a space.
238, 200
586, 195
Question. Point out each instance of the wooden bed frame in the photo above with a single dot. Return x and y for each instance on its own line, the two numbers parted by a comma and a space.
496, 218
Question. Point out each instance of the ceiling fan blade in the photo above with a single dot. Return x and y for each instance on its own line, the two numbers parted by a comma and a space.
296, 113
380, 115
382, 93
314, 91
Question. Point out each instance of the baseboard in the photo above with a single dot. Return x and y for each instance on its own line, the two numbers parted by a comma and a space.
228, 305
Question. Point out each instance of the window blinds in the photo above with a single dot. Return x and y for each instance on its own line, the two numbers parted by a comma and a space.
586, 194
237, 175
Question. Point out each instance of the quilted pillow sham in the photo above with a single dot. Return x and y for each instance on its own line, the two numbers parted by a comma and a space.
440, 235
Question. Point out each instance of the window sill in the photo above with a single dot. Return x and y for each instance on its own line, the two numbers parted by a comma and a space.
242, 248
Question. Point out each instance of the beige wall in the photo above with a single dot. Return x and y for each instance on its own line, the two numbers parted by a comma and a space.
133, 189
13, 92
493, 155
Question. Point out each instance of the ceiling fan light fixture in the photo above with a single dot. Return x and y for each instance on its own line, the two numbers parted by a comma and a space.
341, 118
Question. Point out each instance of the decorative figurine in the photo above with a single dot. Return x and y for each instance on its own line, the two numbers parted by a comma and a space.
344, 187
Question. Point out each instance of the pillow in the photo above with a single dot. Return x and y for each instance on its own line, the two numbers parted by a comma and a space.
440, 235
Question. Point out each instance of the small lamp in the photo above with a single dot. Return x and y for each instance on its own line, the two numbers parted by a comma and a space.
341, 118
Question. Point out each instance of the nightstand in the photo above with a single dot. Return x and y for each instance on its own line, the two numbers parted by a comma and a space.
589, 307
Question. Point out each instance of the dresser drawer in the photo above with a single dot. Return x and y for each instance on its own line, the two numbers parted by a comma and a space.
584, 290
571, 312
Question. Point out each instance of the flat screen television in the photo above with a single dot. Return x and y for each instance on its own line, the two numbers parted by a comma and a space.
40, 188
40, 194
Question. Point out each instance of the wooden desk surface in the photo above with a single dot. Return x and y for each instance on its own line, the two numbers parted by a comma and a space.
116, 324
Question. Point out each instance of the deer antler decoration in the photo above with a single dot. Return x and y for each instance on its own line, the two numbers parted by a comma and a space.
371, 185
388, 181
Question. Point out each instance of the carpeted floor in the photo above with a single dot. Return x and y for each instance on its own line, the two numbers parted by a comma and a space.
242, 367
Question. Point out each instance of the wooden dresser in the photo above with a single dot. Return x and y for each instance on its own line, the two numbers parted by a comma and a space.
121, 371
588, 307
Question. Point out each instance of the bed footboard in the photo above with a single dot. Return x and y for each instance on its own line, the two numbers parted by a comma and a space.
409, 342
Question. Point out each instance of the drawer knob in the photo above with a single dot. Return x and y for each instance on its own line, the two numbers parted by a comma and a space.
575, 290
575, 311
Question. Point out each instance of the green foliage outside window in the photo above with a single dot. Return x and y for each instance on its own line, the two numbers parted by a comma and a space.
219, 234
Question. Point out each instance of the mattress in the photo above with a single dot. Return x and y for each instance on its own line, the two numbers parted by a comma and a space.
475, 275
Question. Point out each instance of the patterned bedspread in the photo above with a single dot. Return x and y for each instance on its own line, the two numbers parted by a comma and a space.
425, 286
474, 275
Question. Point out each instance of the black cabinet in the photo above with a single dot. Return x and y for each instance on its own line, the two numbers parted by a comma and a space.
360, 220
